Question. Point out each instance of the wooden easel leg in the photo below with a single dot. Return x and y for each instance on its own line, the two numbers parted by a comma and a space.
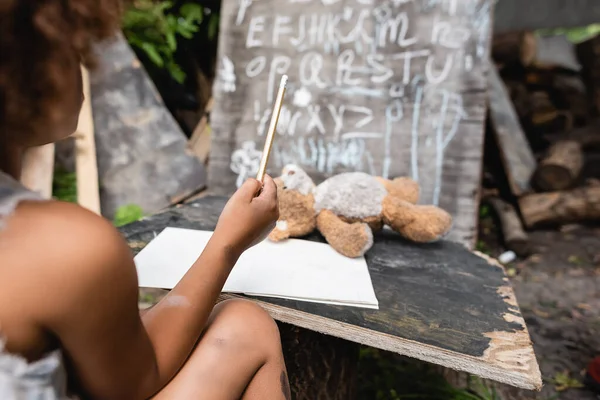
320, 367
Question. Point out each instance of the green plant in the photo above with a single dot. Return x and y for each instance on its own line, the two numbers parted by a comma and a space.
385, 376
64, 186
563, 381
575, 35
127, 214
155, 27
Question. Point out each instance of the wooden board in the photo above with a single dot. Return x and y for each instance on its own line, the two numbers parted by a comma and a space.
142, 157
392, 88
515, 15
517, 157
38, 169
439, 303
88, 192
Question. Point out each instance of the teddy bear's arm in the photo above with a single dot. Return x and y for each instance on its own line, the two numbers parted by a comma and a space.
402, 188
419, 223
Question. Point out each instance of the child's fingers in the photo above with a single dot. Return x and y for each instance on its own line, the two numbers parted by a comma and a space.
269, 190
249, 189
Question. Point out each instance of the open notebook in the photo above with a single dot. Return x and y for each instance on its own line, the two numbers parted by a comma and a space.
294, 269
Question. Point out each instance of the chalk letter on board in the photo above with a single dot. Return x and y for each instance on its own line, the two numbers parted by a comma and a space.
244, 5
395, 30
431, 78
375, 62
408, 56
227, 75
447, 35
256, 66
344, 69
279, 66
338, 119
297, 41
281, 27
315, 119
362, 110
310, 68
257, 24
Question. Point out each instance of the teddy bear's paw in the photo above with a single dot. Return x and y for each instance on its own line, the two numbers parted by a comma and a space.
279, 233
430, 225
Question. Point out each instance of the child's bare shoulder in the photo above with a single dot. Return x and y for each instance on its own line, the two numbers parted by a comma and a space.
64, 247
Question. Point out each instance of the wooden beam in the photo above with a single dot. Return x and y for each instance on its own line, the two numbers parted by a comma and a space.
88, 194
199, 143
517, 157
38, 169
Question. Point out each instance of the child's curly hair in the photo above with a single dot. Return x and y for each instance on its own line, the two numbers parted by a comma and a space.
37, 39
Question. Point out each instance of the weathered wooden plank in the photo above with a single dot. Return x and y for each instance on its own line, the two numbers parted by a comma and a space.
517, 157
514, 15
141, 150
439, 303
88, 191
392, 88
38, 169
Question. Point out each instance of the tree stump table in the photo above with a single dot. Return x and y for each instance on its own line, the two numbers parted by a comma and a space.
438, 303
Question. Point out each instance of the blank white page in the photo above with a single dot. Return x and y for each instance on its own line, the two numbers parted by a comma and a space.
293, 269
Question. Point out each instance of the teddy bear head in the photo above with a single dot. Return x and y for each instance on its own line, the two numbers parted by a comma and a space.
295, 178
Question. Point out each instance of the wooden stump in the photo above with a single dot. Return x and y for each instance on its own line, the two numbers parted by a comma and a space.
515, 238
514, 48
561, 167
320, 367
577, 205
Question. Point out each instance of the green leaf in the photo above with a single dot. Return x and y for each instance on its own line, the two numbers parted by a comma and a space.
171, 41
127, 214
153, 54
192, 12
176, 72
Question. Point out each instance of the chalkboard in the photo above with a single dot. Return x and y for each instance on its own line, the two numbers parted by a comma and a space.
392, 88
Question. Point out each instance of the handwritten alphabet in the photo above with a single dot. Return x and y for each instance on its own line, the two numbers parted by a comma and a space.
365, 76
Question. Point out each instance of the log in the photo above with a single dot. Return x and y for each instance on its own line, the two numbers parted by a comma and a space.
319, 366
555, 208
570, 94
587, 136
556, 51
515, 238
546, 117
588, 53
520, 97
38, 169
517, 157
514, 48
561, 167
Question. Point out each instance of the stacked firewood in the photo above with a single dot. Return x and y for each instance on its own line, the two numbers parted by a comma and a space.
545, 118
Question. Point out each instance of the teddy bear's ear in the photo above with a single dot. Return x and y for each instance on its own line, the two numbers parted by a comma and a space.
294, 178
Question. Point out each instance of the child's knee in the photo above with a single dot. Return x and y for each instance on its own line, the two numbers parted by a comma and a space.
242, 323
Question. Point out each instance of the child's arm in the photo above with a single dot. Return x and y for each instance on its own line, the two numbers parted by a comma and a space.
85, 291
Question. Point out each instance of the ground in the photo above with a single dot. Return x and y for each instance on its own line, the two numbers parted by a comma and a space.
558, 290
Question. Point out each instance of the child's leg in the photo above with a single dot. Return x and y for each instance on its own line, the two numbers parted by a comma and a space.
238, 356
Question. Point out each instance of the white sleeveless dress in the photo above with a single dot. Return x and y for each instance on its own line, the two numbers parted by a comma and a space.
46, 378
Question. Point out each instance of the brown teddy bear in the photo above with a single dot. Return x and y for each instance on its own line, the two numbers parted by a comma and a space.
348, 207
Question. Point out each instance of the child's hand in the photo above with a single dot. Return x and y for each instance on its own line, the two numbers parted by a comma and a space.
247, 219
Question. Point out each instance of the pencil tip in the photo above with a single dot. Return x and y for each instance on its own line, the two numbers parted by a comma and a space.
284, 80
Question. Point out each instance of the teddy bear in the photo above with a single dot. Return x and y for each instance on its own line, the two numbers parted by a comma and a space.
347, 209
